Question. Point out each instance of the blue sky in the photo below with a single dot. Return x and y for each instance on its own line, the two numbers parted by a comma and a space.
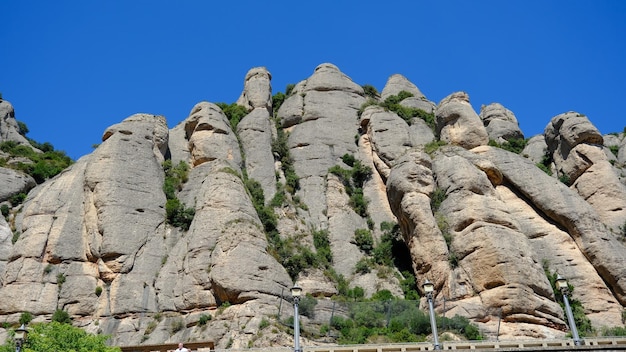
73, 68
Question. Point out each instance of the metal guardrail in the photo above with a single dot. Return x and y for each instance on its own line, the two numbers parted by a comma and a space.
167, 347
588, 344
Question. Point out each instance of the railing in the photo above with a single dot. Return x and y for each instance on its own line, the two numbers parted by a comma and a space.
169, 347
588, 344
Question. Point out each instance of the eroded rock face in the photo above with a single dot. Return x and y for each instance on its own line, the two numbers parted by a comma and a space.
484, 224
458, 124
576, 147
9, 129
500, 123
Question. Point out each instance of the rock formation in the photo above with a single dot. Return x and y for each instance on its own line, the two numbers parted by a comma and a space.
486, 225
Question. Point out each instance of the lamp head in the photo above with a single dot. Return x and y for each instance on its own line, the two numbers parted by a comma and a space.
296, 291
428, 286
21, 332
561, 283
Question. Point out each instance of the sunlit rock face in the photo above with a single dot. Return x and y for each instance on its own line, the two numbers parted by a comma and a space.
290, 195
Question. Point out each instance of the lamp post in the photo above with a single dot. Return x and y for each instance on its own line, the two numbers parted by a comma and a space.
296, 292
561, 284
429, 288
20, 337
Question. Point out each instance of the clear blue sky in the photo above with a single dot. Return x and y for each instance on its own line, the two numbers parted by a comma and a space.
73, 68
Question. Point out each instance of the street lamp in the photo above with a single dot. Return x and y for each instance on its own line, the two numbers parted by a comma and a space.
429, 288
561, 284
296, 292
20, 336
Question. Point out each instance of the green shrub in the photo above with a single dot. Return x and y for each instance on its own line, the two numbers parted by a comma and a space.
436, 198
98, 291
277, 101
263, 324
614, 149
4, 209
234, 113
514, 145
17, 199
16, 236
369, 102
61, 316
204, 318
321, 242
176, 213
307, 306
545, 163
362, 266
42, 166
280, 148
60, 279
55, 336
364, 240
370, 91
25, 318
431, 147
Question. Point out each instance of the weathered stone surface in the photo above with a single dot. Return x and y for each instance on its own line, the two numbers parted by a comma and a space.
484, 224
397, 83
388, 133
409, 188
9, 129
210, 136
257, 92
500, 123
565, 207
576, 148
535, 148
458, 124
14, 182
255, 134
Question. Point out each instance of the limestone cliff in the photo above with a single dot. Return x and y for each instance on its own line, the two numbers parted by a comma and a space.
101, 239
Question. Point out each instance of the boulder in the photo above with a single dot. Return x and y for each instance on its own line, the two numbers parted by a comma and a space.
500, 123
14, 182
458, 124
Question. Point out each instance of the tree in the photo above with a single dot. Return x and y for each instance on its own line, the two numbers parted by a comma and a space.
56, 337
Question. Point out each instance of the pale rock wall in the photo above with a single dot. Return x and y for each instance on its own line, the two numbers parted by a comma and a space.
102, 222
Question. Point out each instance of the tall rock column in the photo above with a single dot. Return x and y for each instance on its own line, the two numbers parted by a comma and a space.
576, 148
255, 130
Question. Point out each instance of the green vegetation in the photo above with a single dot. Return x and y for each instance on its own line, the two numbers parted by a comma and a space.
614, 149
431, 147
307, 306
4, 209
582, 322
42, 166
438, 196
176, 213
98, 291
392, 103
364, 240
545, 163
25, 318
384, 319
514, 145
56, 336
61, 316
234, 113
280, 148
204, 318
353, 181
370, 91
